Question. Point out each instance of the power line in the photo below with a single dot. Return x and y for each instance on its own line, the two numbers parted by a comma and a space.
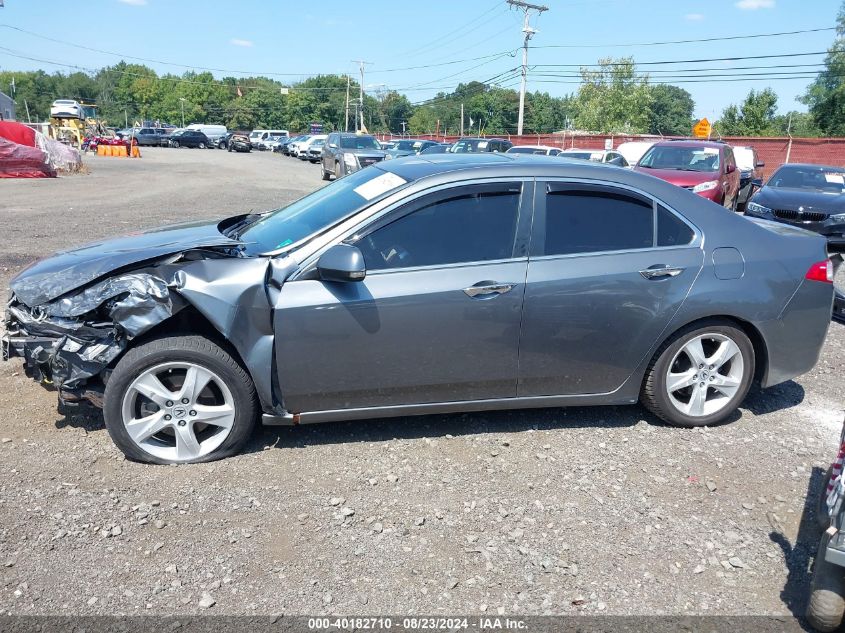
697, 41
253, 73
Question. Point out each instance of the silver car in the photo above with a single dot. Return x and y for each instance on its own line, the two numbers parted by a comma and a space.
422, 285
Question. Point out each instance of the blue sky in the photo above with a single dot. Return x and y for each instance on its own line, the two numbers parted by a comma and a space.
296, 39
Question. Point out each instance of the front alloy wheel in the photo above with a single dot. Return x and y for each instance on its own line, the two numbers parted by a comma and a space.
179, 399
178, 411
700, 377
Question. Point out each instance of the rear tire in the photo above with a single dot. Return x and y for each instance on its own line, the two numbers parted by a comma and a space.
689, 393
201, 145
229, 387
337, 173
826, 607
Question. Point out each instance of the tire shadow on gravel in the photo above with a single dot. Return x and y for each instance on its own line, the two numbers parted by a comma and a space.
796, 591
778, 398
457, 424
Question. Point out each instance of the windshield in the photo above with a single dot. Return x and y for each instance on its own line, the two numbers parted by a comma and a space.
254, 134
468, 146
821, 179
578, 155
319, 210
359, 142
701, 159
406, 145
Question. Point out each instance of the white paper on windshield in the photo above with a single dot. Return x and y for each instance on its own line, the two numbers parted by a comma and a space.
483, 144
379, 185
839, 179
710, 150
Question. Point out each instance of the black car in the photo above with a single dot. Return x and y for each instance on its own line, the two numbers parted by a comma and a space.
474, 145
345, 153
809, 196
813, 198
188, 138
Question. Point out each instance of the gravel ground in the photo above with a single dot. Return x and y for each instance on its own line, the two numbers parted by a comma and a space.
577, 511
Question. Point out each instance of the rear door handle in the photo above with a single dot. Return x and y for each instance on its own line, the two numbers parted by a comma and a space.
488, 289
661, 272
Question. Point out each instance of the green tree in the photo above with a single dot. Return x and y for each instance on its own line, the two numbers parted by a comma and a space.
613, 98
754, 117
826, 95
671, 111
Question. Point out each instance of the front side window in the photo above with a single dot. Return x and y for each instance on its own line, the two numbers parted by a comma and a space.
596, 220
474, 224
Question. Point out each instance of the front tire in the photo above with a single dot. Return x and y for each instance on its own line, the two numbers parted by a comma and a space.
179, 399
337, 173
174, 143
700, 376
201, 145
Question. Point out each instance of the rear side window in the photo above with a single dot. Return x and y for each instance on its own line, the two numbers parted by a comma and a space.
474, 225
592, 221
671, 230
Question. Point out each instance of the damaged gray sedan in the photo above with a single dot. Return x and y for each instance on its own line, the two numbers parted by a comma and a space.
423, 285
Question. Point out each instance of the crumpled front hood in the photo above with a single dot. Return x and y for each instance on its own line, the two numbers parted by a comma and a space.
65, 271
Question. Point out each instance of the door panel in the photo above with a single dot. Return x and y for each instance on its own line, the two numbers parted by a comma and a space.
609, 268
399, 337
589, 320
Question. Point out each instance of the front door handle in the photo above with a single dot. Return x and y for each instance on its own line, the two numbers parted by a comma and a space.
488, 289
661, 272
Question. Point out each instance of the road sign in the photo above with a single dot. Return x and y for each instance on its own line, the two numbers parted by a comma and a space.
702, 129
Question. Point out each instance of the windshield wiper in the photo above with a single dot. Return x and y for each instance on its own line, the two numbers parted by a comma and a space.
234, 231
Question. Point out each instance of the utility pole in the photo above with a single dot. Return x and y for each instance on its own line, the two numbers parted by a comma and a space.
404, 123
462, 119
182, 101
346, 125
361, 64
529, 32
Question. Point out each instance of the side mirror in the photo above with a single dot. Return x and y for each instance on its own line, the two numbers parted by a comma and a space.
342, 262
731, 169
757, 182
760, 165
332, 145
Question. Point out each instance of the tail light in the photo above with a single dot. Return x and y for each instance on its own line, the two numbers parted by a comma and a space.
821, 271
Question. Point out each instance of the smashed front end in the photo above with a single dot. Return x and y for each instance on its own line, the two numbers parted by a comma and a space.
69, 342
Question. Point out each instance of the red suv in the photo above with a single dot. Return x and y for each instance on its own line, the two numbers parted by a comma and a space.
707, 168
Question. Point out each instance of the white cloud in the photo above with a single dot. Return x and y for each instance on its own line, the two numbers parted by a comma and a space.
694, 17
134, 3
752, 5
244, 43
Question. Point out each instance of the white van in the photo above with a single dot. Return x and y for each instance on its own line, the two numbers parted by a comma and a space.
259, 136
213, 132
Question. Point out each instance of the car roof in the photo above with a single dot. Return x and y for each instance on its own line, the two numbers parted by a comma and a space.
813, 166
690, 143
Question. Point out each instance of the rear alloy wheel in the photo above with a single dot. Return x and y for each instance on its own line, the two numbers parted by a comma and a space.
179, 400
701, 376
